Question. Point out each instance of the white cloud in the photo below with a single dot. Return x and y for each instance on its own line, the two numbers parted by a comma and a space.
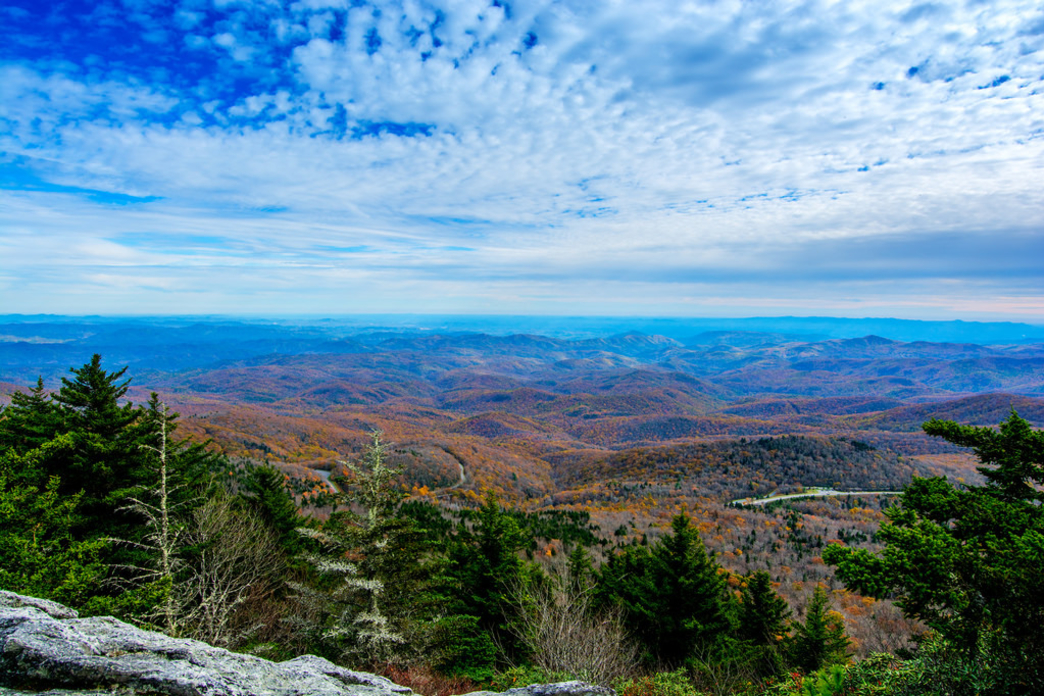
574, 140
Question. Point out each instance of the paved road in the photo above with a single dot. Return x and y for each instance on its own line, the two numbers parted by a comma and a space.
463, 478
325, 475
817, 494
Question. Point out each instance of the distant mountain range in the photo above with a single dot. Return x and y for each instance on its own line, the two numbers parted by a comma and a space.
182, 342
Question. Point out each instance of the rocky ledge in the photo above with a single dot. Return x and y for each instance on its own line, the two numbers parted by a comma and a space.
46, 649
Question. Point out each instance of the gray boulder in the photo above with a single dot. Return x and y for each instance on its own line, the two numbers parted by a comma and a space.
44, 645
569, 688
47, 650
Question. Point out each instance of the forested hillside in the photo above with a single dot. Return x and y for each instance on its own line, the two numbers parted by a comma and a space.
506, 465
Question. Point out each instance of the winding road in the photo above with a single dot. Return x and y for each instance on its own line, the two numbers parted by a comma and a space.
829, 493
325, 475
460, 464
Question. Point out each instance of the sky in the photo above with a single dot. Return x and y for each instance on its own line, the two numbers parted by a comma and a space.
619, 157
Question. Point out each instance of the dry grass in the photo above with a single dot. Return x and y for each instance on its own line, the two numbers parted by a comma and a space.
425, 681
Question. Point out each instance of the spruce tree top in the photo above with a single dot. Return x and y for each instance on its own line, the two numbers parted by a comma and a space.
92, 397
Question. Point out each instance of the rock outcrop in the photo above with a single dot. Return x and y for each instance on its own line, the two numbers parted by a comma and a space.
44, 645
46, 649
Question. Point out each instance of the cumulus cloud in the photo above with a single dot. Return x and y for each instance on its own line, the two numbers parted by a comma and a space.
475, 146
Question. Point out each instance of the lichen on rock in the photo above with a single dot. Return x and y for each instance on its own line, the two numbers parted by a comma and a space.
47, 650
44, 645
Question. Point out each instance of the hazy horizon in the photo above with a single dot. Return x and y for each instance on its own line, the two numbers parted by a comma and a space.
807, 328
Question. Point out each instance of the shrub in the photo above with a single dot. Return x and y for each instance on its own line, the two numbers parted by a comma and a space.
676, 683
522, 675
428, 682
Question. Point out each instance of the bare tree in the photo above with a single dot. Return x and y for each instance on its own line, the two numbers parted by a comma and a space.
885, 629
206, 561
162, 540
564, 633
238, 557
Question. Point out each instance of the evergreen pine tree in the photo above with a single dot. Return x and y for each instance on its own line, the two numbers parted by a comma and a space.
762, 623
38, 555
763, 614
486, 567
482, 574
266, 491
31, 420
821, 639
106, 462
967, 561
580, 569
672, 595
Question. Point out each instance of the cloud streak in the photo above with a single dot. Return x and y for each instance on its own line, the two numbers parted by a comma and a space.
543, 156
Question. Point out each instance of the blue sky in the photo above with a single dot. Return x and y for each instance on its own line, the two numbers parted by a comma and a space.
717, 158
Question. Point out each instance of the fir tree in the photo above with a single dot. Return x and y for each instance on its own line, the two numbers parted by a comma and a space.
38, 554
967, 562
672, 595
266, 491
106, 462
31, 420
580, 569
487, 567
821, 639
762, 623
